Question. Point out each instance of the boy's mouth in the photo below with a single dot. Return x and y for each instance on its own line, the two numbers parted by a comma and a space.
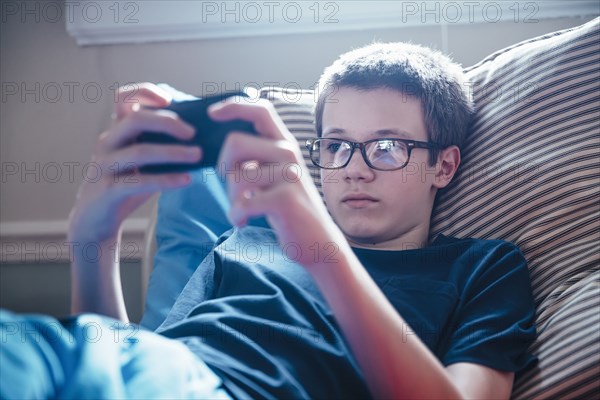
358, 200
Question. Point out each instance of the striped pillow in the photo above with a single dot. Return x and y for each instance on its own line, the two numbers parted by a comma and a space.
530, 175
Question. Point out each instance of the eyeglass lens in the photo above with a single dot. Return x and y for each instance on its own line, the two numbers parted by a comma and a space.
384, 154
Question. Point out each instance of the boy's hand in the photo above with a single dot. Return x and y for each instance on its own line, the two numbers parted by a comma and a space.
118, 188
266, 175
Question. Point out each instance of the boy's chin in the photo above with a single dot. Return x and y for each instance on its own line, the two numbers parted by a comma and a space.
363, 231
363, 237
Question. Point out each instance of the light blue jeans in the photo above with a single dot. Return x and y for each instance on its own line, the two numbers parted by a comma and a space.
95, 357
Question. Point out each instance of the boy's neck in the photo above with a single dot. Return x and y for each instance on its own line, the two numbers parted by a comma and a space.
415, 238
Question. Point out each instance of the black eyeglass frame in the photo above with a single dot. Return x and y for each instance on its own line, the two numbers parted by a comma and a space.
410, 145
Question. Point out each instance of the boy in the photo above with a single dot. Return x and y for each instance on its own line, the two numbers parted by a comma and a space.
386, 313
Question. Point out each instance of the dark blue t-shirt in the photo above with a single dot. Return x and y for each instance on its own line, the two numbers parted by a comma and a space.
259, 321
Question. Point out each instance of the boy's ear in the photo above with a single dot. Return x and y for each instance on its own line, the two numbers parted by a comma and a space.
446, 166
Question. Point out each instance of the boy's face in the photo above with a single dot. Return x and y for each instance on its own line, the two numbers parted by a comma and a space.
382, 209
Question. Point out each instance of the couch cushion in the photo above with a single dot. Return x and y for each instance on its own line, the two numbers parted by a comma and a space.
530, 175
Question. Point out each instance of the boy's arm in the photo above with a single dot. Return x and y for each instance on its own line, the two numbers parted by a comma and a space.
95, 277
287, 197
479, 382
103, 204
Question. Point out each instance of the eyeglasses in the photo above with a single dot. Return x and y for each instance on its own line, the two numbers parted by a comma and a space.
381, 154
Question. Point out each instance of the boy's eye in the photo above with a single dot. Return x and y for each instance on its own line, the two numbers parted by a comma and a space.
333, 147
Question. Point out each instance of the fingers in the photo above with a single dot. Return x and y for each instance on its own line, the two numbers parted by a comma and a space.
240, 147
128, 128
248, 161
254, 203
275, 203
131, 97
117, 190
252, 176
131, 157
275, 146
260, 113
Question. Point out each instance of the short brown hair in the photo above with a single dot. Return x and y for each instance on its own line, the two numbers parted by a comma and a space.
413, 70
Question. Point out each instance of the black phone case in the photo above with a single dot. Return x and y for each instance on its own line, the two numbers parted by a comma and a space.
210, 134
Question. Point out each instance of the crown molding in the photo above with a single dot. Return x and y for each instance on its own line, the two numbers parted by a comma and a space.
125, 22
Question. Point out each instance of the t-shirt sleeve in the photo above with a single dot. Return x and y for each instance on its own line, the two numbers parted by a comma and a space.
495, 320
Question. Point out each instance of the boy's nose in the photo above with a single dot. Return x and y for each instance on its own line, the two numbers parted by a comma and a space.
358, 169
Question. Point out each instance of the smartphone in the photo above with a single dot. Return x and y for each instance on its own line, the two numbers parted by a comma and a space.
209, 135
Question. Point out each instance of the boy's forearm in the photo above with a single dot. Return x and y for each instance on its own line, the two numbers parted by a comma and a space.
395, 364
95, 278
